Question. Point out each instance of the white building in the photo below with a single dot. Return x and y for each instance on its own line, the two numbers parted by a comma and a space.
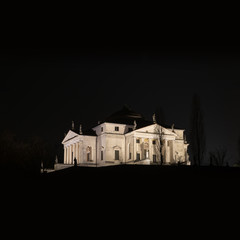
125, 137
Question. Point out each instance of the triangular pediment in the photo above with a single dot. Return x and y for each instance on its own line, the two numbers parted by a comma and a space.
70, 135
155, 128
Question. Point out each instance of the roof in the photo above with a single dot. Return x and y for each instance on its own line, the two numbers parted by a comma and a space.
89, 132
123, 116
127, 116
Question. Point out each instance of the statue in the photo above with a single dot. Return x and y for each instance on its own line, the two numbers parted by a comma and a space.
42, 167
56, 160
75, 162
154, 118
80, 129
72, 125
134, 125
173, 127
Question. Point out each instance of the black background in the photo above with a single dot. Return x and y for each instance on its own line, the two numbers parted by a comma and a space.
63, 63
44, 89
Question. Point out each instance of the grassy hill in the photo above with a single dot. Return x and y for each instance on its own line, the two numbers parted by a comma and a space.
152, 171
137, 176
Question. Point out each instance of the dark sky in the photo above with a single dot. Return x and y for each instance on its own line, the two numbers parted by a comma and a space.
44, 89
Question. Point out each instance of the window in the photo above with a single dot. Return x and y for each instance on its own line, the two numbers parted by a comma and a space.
130, 155
117, 129
137, 140
154, 142
101, 129
89, 153
101, 155
138, 156
154, 158
116, 154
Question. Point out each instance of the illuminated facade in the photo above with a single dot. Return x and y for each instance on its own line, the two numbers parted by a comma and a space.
125, 137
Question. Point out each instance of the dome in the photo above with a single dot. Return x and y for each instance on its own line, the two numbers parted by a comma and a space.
126, 116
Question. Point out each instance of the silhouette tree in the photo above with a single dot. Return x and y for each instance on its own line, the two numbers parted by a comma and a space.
159, 119
237, 162
197, 134
24, 156
218, 158
239, 150
159, 144
8, 149
160, 116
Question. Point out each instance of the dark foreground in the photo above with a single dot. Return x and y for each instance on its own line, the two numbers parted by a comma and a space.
129, 177
145, 178
147, 173
130, 184
128, 198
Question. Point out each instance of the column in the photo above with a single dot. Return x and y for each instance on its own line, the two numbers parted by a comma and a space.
166, 151
71, 155
134, 149
79, 156
74, 150
76, 154
68, 154
68, 158
65, 155
150, 149
171, 151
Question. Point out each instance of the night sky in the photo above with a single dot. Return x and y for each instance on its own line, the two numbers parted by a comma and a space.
44, 89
